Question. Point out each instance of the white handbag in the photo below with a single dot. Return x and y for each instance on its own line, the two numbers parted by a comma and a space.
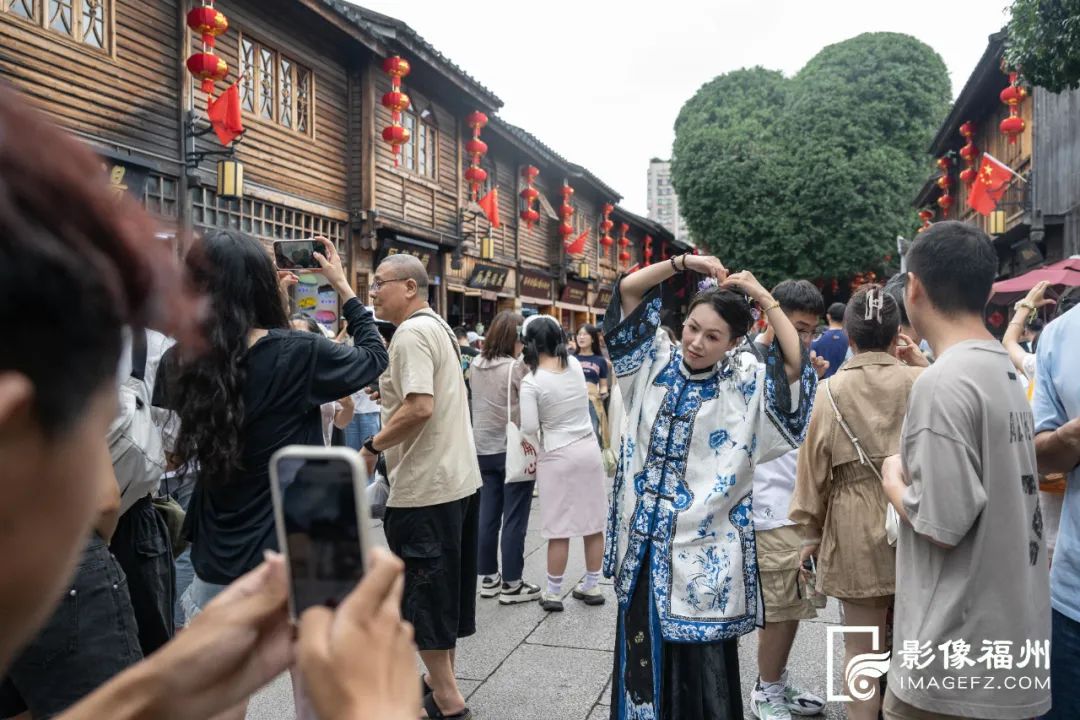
520, 453
892, 519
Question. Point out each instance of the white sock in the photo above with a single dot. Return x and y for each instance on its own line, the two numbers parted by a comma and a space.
592, 579
772, 690
554, 584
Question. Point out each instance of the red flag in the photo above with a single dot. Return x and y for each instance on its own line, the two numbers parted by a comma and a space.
990, 184
578, 246
490, 205
224, 114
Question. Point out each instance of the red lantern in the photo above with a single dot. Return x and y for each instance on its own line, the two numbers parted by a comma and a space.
1012, 126
944, 162
566, 212
566, 230
624, 243
945, 202
944, 182
926, 216
967, 129
996, 319
476, 147
475, 175
647, 253
605, 228
395, 135
624, 256
207, 22
968, 175
529, 195
1012, 96
969, 151
397, 102
208, 68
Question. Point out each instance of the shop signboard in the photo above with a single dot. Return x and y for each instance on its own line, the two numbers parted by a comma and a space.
488, 277
536, 285
574, 293
126, 178
602, 299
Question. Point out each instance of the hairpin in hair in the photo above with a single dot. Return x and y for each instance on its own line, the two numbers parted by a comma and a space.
875, 300
708, 283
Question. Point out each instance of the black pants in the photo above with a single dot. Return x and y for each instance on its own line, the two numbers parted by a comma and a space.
504, 505
438, 545
90, 637
141, 546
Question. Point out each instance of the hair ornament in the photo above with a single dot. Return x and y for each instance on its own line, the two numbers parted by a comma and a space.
708, 283
875, 300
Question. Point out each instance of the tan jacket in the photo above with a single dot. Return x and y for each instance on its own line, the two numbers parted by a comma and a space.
836, 498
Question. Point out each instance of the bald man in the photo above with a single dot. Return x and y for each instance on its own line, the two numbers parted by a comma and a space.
432, 514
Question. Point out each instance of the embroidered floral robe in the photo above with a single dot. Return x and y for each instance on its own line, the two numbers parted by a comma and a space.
689, 445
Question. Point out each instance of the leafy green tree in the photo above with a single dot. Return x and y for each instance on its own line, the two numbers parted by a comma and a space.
813, 176
1044, 42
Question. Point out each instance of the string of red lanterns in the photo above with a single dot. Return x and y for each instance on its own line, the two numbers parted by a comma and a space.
945, 183
476, 148
207, 67
605, 229
398, 102
1012, 96
529, 194
647, 253
969, 153
566, 212
624, 243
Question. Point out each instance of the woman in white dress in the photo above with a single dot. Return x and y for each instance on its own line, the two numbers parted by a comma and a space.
699, 415
569, 469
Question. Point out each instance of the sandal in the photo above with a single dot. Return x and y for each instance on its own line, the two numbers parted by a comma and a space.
433, 711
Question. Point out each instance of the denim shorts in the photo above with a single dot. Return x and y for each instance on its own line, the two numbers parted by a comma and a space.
197, 596
91, 637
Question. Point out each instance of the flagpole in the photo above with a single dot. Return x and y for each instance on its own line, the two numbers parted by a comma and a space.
1004, 165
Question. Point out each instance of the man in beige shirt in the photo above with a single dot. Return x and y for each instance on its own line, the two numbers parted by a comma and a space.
432, 513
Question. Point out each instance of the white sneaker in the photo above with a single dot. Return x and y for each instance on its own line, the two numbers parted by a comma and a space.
595, 596
523, 592
551, 602
491, 586
800, 701
766, 707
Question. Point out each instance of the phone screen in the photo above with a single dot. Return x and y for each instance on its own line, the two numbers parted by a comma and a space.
321, 530
296, 254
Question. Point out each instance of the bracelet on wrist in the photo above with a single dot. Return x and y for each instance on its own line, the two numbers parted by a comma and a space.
369, 445
771, 306
674, 268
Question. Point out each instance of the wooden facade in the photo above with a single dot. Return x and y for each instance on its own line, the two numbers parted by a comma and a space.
314, 161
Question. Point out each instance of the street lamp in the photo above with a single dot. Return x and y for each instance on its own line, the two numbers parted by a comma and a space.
230, 178
997, 222
487, 248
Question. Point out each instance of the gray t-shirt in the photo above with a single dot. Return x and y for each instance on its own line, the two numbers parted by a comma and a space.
969, 454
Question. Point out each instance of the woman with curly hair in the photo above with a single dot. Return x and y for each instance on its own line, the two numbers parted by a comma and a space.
257, 388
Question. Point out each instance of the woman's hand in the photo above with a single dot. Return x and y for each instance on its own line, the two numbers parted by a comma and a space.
1036, 296
330, 262
706, 265
360, 661
909, 353
745, 281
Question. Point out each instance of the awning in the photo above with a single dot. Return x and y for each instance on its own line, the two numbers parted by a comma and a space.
1063, 273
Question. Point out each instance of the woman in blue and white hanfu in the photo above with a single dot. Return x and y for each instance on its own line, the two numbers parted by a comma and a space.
680, 540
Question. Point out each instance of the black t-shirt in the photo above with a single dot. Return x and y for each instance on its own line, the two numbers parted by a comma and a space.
289, 375
594, 366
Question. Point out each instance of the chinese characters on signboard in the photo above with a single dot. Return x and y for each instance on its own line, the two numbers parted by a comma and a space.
488, 277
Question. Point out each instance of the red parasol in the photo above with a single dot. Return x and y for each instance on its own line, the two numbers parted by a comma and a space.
1063, 273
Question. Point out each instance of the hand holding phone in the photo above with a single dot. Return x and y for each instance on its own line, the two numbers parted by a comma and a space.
320, 509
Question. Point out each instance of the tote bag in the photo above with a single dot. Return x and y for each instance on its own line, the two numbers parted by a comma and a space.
520, 453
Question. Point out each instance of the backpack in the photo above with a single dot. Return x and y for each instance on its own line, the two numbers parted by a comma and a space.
134, 440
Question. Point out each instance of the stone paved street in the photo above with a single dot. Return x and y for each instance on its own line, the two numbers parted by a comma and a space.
526, 664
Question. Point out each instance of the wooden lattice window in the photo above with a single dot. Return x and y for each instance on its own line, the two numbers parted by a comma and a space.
418, 155
264, 220
160, 197
87, 22
276, 88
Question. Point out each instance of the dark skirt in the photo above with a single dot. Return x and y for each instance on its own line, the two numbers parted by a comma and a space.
659, 680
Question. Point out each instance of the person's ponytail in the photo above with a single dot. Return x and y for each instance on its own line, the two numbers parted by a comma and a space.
562, 353
531, 355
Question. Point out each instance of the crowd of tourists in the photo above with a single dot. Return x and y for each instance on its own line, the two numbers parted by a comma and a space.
729, 477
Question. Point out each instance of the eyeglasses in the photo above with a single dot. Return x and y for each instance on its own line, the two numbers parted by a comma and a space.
376, 285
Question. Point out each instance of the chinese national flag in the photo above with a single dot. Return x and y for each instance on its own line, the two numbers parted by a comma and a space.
990, 184
490, 205
224, 114
578, 246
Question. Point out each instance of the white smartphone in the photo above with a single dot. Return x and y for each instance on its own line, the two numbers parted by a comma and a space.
322, 518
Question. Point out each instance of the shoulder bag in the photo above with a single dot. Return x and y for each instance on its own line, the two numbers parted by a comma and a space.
520, 453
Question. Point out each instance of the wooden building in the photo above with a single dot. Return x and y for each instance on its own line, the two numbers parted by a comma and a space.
311, 79
1038, 218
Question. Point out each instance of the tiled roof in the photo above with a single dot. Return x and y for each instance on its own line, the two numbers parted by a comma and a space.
394, 30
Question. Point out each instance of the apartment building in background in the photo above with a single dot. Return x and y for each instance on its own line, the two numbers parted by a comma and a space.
663, 202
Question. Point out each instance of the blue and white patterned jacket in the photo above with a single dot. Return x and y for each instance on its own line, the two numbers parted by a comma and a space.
683, 489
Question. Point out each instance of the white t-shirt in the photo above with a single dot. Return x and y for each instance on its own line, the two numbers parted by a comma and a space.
774, 484
555, 405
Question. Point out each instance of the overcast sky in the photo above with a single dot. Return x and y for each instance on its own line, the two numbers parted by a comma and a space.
601, 82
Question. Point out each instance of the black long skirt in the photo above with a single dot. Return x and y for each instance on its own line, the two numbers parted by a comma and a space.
659, 680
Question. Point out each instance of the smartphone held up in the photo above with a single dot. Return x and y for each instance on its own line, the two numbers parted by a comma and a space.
297, 254
320, 510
